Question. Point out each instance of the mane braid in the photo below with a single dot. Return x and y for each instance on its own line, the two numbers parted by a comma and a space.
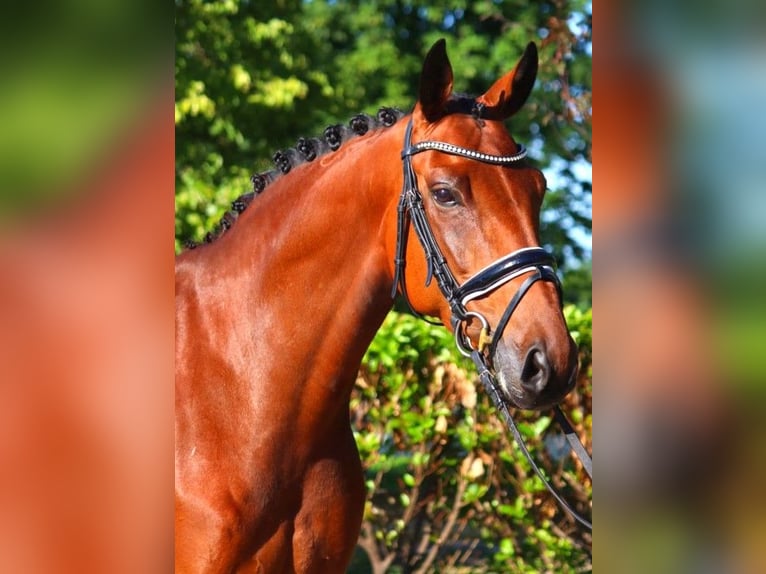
305, 150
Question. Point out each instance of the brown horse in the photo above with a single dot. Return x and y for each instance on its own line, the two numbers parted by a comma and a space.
274, 315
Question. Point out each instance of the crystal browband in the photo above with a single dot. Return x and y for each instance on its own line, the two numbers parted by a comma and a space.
464, 152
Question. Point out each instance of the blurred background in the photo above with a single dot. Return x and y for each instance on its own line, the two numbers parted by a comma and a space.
86, 287
680, 286
75, 73
86, 312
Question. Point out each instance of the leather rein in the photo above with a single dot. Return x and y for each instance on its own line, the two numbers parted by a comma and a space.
534, 262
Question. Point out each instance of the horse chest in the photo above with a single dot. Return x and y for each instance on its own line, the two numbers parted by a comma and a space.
279, 513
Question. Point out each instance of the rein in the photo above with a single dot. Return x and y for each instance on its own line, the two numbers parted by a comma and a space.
535, 262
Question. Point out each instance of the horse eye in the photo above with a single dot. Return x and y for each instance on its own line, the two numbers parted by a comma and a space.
444, 196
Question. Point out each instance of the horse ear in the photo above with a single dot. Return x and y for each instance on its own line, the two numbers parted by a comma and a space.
435, 82
508, 94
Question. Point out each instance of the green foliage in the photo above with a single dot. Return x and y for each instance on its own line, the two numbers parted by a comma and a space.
240, 82
577, 285
448, 486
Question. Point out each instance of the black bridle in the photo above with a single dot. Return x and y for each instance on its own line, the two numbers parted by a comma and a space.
533, 262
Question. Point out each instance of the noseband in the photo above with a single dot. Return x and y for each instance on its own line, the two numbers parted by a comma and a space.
533, 262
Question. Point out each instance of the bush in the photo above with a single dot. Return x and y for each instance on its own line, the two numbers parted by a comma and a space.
449, 490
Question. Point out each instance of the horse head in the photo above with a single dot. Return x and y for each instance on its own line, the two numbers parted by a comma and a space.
480, 203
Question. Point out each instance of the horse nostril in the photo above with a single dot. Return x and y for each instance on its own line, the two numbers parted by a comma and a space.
536, 370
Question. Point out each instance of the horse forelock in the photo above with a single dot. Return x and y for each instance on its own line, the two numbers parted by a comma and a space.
306, 150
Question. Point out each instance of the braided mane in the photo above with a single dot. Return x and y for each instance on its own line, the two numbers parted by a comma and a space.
305, 150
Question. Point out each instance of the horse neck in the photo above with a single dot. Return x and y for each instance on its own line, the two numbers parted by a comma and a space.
309, 266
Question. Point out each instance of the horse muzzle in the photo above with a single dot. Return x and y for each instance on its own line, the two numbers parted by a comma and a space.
534, 375
534, 378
